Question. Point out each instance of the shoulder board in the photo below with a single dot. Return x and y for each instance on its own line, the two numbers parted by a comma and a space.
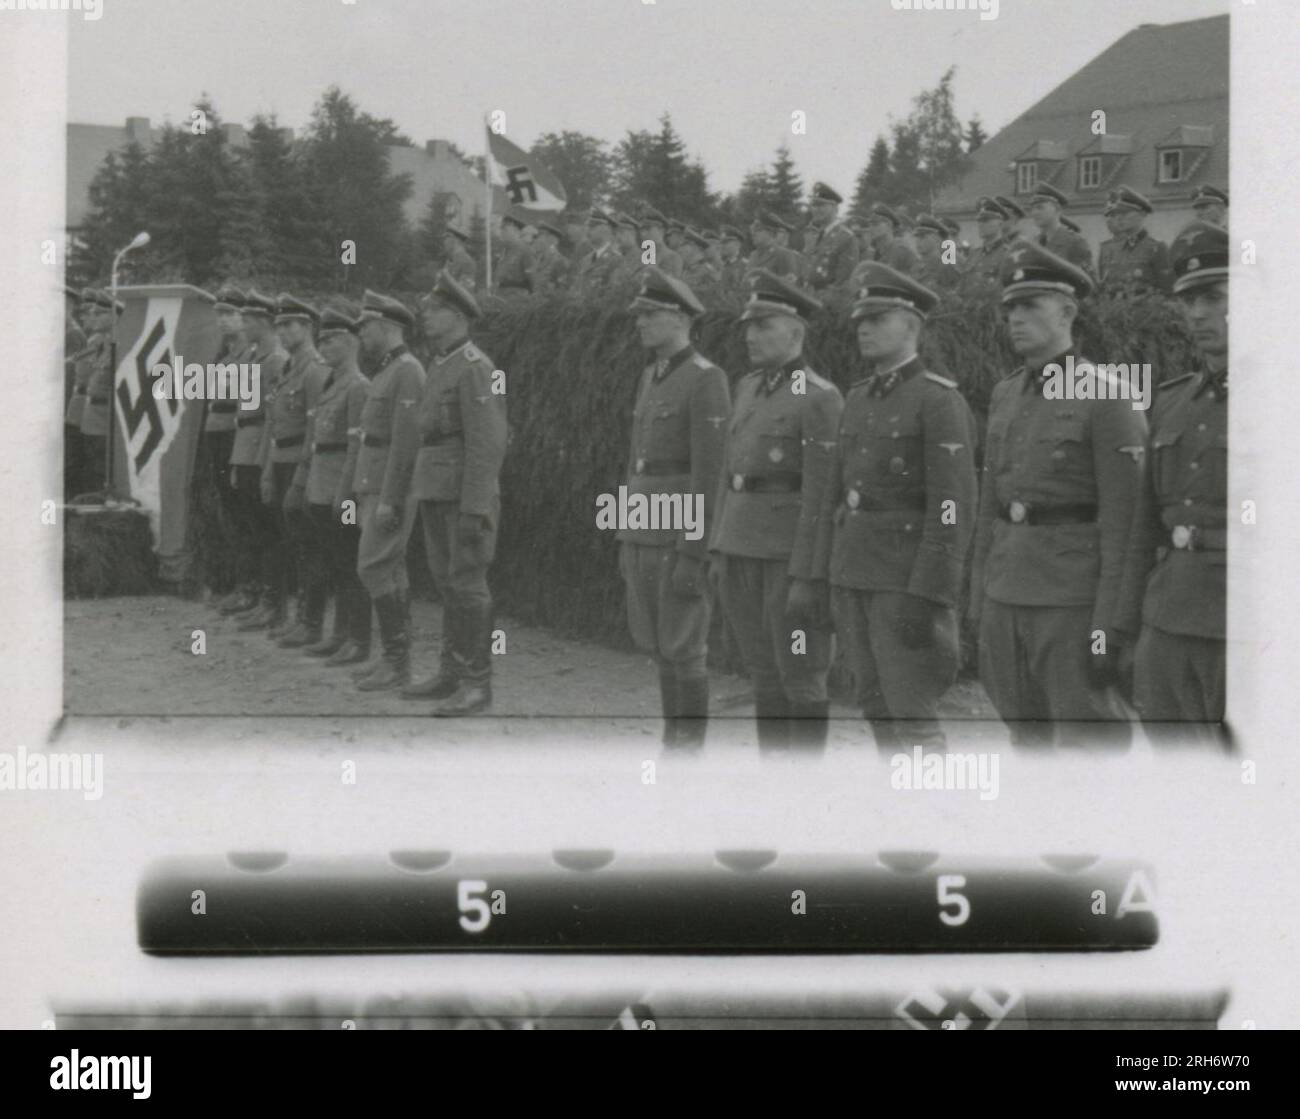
820, 381
702, 361
473, 353
948, 384
1176, 381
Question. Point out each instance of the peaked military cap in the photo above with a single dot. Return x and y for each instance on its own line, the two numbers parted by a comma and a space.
928, 223
1030, 269
953, 228
553, 230
376, 307
769, 221
881, 212
447, 292
1010, 207
255, 303
1207, 195
230, 298
1072, 226
459, 234
88, 296
1126, 198
651, 216
289, 308
626, 221
712, 236
695, 237
822, 193
599, 217
677, 224
731, 233
1199, 256
986, 207
512, 219
1045, 192
770, 295
662, 292
884, 288
339, 320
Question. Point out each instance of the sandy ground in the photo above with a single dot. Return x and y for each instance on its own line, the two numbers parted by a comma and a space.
131, 657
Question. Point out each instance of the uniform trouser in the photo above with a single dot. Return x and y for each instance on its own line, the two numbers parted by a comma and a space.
671, 628
459, 567
900, 675
1180, 679
214, 459
1034, 663
254, 526
783, 660
381, 555
289, 548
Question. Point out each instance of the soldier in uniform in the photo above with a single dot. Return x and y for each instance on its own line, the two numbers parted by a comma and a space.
1210, 204
459, 263
830, 247
803, 267
74, 338
899, 516
984, 266
1138, 264
1014, 222
549, 270
329, 451
653, 227
674, 231
1175, 584
283, 437
698, 272
510, 272
382, 483
255, 524
734, 265
95, 314
597, 269
776, 467
933, 243
99, 384
1061, 471
677, 435
768, 255
575, 234
885, 246
218, 437
1045, 208
460, 428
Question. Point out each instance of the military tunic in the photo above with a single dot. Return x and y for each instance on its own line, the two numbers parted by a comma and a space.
678, 429
1135, 266
900, 517
597, 271
383, 471
704, 279
897, 254
462, 267
549, 272
1068, 245
832, 255
250, 422
510, 273
983, 268
1058, 491
778, 260
777, 466
1175, 585
939, 276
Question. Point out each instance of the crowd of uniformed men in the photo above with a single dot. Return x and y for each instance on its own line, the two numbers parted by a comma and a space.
1096, 533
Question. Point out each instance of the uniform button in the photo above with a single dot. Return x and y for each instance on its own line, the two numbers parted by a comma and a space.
1195, 465
1187, 501
1200, 427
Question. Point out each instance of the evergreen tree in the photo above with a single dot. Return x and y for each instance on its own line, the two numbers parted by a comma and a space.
119, 197
296, 252
654, 169
975, 134
940, 139
786, 184
873, 180
582, 163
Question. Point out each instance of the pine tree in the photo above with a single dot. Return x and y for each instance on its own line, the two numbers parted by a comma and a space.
119, 199
296, 252
873, 180
786, 184
582, 163
975, 134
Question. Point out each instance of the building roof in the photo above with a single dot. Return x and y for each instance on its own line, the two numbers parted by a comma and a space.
1158, 84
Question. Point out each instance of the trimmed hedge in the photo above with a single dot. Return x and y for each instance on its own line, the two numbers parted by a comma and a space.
571, 372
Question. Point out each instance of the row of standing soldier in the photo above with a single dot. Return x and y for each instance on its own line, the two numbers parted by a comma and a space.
606, 252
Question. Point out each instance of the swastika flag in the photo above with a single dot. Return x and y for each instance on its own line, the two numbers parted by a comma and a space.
527, 183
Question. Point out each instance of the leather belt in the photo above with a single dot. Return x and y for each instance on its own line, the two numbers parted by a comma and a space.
1022, 513
223, 406
368, 440
288, 441
325, 448
431, 440
659, 467
249, 421
859, 502
767, 483
1193, 538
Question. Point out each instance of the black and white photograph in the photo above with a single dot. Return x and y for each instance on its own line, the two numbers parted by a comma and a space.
647, 514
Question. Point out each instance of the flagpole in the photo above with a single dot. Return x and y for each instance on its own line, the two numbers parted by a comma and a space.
487, 221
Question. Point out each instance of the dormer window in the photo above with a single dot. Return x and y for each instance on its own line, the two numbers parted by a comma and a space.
1171, 165
1026, 177
1182, 151
1089, 172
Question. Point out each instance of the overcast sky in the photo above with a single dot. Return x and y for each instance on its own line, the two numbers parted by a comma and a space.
729, 71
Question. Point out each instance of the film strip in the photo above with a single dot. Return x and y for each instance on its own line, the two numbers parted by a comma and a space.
599, 901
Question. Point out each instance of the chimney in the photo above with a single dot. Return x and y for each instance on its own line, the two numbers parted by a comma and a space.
235, 135
138, 131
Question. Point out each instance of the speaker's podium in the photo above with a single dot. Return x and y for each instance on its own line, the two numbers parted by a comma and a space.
155, 438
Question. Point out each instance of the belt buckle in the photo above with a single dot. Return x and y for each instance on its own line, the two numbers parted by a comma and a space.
738, 482
1018, 511
854, 499
1184, 537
